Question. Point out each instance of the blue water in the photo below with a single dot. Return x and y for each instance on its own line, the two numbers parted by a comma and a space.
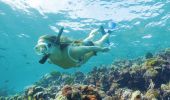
141, 26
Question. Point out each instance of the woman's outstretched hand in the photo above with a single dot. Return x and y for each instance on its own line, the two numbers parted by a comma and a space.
105, 49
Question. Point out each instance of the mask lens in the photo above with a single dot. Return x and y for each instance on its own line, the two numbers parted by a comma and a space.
41, 48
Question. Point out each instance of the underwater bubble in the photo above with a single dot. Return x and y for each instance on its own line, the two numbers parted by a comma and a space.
147, 36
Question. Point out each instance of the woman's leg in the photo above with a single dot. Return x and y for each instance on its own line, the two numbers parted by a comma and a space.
91, 35
102, 40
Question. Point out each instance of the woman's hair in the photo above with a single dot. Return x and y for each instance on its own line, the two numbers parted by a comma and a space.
53, 38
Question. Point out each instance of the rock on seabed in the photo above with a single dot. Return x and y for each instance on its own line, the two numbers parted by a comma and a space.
146, 78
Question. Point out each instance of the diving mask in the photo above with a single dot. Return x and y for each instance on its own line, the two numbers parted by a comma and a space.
42, 48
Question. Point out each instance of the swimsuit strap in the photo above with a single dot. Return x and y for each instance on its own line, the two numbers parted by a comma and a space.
79, 62
68, 52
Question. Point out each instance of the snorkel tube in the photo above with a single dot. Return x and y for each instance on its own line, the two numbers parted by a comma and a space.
57, 41
44, 59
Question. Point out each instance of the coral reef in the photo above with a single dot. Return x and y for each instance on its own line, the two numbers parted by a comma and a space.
146, 78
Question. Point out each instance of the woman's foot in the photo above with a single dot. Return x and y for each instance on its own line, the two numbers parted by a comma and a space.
102, 40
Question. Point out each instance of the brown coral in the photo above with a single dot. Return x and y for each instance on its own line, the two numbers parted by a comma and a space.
66, 90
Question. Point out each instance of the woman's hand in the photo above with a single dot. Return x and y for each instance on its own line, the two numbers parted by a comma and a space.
105, 49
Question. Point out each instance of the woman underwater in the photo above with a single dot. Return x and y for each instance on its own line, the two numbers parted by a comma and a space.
68, 53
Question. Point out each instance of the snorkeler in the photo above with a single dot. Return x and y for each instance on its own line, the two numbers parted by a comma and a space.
68, 53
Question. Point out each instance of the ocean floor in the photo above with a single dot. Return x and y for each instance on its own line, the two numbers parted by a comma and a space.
145, 78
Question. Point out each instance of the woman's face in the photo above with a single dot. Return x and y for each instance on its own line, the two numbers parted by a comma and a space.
43, 47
